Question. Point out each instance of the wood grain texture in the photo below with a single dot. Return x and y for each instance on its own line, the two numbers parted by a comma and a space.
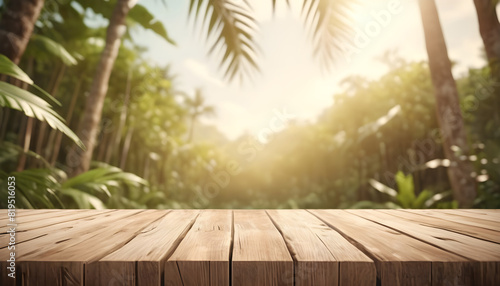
492, 216
485, 255
467, 220
254, 247
36, 228
142, 258
457, 243
260, 255
202, 258
322, 256
400, 260
473, 231
69, 248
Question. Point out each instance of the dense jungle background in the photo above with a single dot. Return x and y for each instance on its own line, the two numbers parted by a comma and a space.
89, 121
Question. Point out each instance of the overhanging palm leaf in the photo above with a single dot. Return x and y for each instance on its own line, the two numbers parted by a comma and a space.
143, 17
42, 43
233, 28
328, 23
33, 106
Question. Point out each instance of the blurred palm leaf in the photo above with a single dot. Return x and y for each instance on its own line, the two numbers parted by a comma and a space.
143, 17
103, 180
138, 14
83, 199
329, 26
405, 196
7, 67
233, 28
46, 45
36, 188
33, 106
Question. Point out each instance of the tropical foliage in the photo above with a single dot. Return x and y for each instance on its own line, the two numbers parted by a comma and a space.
152, 151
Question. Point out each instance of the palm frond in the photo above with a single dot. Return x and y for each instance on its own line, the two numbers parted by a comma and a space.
33, 106
233, 27
7, 67
329, 26
143, 17
43, 44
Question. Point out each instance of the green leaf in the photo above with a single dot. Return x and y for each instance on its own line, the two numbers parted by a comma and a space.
406, 194
231, 26
53, 48
143, 17
83, 199
422, 199
9, 68
33, 106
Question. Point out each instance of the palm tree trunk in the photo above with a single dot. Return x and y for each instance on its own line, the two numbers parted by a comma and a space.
93, 108
3, 126
109, 147
105, 138
27, 139
16, 25
28, 122
43, 126
123, 112
126, 147
448, 109
58, 139
489, 27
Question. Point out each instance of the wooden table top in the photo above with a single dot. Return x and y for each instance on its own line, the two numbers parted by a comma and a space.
252, 247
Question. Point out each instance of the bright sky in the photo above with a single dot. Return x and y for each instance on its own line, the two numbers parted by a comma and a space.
290, 77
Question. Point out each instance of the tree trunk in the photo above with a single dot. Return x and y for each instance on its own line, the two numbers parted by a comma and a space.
16, 25
28, 122
448, 109
3, 126
26, 145
123, 112
489, 27
93, 108
126, 147
40, 141
58, 138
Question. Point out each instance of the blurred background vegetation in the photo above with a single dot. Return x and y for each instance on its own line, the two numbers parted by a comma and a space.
378, 146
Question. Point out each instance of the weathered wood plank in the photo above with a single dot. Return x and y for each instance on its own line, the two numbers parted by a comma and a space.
492, 217
83, 218
142, 259
28, 230
486, 255
25, 216
322, 256
436, 222
460, 244
59, 256
202, 257
435, 214
136, 247
400, 259
260, 255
